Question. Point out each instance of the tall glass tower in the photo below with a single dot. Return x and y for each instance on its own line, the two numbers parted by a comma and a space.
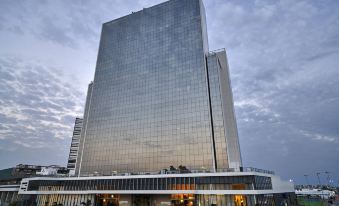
158, 98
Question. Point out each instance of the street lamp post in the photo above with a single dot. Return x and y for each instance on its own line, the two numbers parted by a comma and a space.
308, 186
318, 173
322, 192
328, 178
307, 182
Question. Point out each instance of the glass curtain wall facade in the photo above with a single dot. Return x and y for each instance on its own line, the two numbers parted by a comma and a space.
150, 102
162, 200
84, 128
227, 148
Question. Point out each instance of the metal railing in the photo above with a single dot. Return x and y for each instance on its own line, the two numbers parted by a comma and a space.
177, 171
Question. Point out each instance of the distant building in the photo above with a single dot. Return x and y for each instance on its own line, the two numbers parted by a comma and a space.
10, 180
325, 194
73, 152
52, 171
24, 170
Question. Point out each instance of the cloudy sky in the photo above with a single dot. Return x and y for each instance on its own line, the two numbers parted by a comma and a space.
284, 64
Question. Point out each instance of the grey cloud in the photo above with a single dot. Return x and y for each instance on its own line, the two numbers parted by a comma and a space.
34, 113
322, 55
283, 59
53, 32
48, 21
76, 25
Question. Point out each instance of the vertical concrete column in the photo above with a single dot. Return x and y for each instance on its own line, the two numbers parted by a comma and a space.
67, 197
2, 194
6, 197
14, 197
